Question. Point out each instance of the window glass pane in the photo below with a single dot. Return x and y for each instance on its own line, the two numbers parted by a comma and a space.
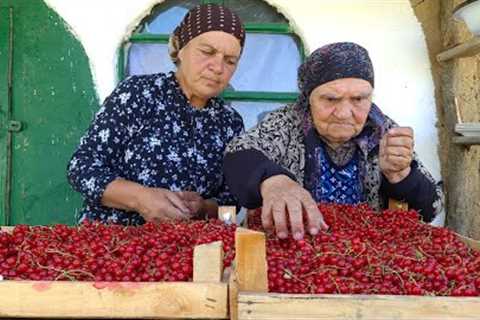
146, 58
255, 11
253, 112
269, 62
166, 16
172, 12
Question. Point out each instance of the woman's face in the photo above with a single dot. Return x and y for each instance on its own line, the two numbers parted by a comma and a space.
207, 64
340, 108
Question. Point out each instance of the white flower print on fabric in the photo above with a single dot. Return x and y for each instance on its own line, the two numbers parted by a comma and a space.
74, 162
128, 155
90, 184
173, 156
146, 136
154, 141
104, 135
147, 94
144, 176
124, 97
176, 128
131, 130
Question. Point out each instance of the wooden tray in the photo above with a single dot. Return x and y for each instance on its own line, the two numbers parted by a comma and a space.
205, 298
249, 298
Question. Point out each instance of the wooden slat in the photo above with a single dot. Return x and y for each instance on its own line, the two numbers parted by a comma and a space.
208, 262
6, 229
468, 128
474, 244
250, 260
397, 205
227, 214
131, 300
125, 300
466, 140
232, 297
467, 49
359, 307
262, 306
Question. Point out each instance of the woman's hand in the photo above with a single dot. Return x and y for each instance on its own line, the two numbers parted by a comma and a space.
197, 205
157, 204
193, 201
153, 204
284, 197
396, 153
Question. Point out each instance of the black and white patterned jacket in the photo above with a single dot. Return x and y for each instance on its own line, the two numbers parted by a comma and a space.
276, 146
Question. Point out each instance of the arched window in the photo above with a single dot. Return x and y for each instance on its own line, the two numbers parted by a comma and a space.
267, 72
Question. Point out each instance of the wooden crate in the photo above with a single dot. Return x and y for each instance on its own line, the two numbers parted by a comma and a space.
204, 298
249, 298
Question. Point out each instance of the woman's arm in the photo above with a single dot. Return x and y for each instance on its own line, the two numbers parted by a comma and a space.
419, 189
153, 204
256, 155
101, 150
245, 171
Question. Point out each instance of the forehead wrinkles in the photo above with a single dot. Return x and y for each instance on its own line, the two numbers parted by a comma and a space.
229, 47
345, 90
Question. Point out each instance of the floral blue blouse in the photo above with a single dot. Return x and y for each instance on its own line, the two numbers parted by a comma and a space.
333, 183
147, 132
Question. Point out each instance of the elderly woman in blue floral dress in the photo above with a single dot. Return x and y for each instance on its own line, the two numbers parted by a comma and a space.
332, 145
155, 148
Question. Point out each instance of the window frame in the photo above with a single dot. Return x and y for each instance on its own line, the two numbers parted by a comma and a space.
227, 95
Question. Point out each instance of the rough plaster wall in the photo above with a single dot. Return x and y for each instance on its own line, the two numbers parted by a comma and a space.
101, 26
407, 75
460, 81
404, 85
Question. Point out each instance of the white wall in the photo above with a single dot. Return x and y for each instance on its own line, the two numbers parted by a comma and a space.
388, 29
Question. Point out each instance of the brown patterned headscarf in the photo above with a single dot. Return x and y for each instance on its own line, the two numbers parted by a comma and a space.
334, 61
201, 19
328, 63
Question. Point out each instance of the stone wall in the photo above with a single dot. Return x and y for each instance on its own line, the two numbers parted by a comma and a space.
457, 88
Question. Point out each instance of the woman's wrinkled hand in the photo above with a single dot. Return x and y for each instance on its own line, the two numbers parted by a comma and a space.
194, 201
396, 153
285, 199
157, 204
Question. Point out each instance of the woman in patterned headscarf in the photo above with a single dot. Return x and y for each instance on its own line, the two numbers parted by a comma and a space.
154, 150
332, 145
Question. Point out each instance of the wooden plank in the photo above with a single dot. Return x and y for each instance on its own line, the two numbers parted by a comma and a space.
466, 140
468, 129
6, 229
233, 297
208, 262
397, 204
467, 49
358, 307
262, 306
251, 260
134, 300
474, 244
227, 214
